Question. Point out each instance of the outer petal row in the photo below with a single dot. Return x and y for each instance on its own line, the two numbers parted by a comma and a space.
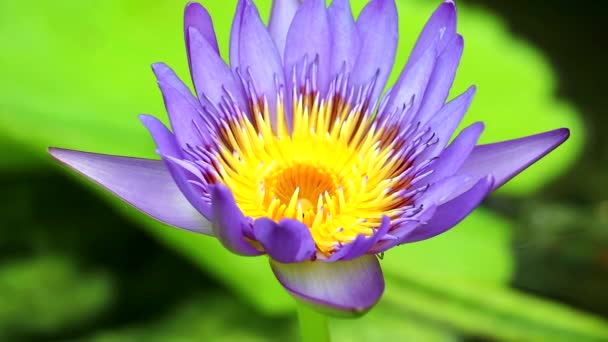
506, 159
143, 183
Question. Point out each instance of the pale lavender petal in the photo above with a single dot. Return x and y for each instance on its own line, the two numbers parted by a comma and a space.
446, 120
345, 41
453, 157
211, 76
506, 159
287, 241
445, 190
185, 111
259, 60
439, 29
411, 85
229, 224
351, 286
309, 37
441, 80
281, 16
379, 32
169, 148
235, 33
452, 212
399, 231
429, 202
361, 244
143, 183
195, 15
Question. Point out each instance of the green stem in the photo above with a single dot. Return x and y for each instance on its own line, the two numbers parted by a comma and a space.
313, 325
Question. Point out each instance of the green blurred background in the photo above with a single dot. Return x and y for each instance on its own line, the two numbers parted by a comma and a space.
78, 265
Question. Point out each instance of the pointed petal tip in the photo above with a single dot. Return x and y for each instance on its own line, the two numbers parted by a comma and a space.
563, 132
478, 125
554, 137
508, 158
459, 39
161, 70
449, 6
150, 121
157, 65
58, 153
472, 89
192, 4
145, 184
144, 118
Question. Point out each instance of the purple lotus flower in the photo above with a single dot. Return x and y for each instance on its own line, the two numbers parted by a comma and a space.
291, 151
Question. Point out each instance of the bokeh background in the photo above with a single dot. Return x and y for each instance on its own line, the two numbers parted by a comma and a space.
79, 265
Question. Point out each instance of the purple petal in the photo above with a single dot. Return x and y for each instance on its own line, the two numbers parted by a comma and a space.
446, 189
168, 147
281, 16
195, 15
228, 223
309, 37
453, 157
287, 241
185, 111
352, 286
211, 76
439, 29
412, 83
143, 183
259, 60
452, 212
433, 198
345, 41
235, 33
505, 159
446, 120
441, 80
361, 244
379, 32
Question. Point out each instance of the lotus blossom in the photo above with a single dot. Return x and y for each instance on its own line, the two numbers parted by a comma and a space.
292, 152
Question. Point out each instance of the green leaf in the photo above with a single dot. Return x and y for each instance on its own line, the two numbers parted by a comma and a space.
478, 250
213, 316
43, 295
490, 311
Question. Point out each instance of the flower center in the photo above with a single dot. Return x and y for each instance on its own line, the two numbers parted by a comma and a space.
305, 184
334, 170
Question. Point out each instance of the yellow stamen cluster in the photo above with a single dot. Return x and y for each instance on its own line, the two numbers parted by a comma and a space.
334, 172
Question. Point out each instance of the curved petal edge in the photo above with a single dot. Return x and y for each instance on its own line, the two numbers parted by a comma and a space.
504, 160
344, 288
143, 183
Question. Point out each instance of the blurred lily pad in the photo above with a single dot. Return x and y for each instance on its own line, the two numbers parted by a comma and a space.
76, 74
45, 294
